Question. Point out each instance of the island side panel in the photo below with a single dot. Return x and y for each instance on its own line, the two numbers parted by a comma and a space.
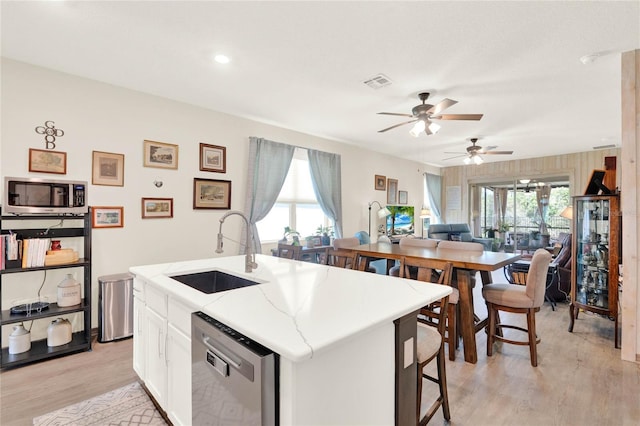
352, 384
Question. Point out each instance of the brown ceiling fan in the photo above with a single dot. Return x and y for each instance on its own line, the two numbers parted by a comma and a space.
474, 151
424, 113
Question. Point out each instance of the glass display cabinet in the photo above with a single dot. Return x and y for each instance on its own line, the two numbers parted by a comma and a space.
596, 256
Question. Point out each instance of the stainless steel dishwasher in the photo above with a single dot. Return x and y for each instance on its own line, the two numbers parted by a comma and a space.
234, 379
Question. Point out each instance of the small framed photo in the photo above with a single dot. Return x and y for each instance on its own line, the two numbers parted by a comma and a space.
392, 191
403, 197
380, 183
161, 155
107, 217
211, 194
213, 158
156, 208
47, 161
107, 169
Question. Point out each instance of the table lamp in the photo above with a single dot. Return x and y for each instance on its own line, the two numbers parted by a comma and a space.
567, 212
425, 212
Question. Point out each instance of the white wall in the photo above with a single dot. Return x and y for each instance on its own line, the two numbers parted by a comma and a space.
102, 117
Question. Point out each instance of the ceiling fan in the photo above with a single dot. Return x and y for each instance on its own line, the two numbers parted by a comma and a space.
474, 151
423, 114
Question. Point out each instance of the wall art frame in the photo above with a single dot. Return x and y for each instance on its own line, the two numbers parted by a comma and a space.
107, 216
403, 197
211, 194
160, 155
157, 208
380, 183
213, 158
392, 191
107, 168
47, 161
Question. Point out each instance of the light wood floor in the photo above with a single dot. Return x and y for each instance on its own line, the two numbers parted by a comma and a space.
40, 388
580, 379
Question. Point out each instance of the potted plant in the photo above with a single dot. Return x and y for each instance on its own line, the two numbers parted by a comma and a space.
491, 232
326, 232
291, 236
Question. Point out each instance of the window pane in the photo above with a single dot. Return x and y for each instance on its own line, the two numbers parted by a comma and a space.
271, 228
308, 218
297, 186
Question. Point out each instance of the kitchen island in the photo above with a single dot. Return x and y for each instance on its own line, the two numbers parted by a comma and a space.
336, 331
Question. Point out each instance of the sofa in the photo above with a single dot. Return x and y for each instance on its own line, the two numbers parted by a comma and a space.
456, 232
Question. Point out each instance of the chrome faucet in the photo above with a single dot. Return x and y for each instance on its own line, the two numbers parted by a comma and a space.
249, 261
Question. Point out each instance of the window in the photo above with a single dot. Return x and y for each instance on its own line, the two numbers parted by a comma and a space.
296, 206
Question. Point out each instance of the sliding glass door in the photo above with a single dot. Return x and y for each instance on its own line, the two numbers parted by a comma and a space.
523, 214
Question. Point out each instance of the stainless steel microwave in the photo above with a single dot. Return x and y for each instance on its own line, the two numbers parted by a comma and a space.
44, 196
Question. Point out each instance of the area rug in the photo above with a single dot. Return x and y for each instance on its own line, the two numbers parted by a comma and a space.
128, 405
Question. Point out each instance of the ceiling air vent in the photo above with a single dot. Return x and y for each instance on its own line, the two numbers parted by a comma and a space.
378, 81
611, 145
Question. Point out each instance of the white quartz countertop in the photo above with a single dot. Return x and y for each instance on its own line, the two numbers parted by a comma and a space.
298, 309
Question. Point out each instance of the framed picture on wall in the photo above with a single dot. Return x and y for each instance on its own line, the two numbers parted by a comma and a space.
47, 161
392, 191
160, 154
213, 158
380, 183
107, 217
211, 194
107, 169
403, 197
156, 208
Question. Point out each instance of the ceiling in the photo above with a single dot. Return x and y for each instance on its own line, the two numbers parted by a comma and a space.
302, 65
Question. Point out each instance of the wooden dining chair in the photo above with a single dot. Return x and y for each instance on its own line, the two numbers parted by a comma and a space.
430, 345
341, 243
413, 242
440, 272
341, 258
288, 251
520, 300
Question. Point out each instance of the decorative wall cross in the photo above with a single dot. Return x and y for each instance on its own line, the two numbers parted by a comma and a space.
50, 133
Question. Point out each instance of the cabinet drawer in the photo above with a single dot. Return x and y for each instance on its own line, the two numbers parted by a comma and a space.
180, 316
155, 300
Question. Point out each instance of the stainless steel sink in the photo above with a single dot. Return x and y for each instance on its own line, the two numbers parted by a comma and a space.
213, 281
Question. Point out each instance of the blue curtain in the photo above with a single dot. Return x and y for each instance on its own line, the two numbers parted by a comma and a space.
434, 192
327, 185
269, 164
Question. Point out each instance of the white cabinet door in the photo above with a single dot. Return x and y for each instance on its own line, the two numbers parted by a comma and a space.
139, 338
155, 346
179, 380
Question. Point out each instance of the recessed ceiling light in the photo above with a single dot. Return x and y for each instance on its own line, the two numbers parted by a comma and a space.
222, 59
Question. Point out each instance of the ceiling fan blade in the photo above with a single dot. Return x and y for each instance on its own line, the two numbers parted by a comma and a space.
475, 117
397, 125
441, 106
396, 113
457, 156
459, 153
497, 153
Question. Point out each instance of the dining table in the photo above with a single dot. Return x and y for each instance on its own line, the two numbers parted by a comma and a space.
465, 264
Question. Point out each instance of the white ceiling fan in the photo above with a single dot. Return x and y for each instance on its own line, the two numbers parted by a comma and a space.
474, 151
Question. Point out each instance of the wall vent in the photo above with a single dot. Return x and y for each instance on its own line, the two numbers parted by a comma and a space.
378, 81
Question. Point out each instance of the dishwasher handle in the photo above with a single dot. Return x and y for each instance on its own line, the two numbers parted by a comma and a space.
219, 354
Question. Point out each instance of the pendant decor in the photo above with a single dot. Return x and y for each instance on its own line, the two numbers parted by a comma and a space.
50, 134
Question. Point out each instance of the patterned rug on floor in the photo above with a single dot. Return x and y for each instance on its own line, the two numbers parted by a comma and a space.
128, 405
